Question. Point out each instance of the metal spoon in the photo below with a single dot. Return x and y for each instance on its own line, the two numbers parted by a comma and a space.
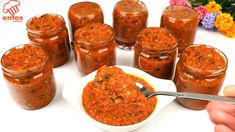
205, 97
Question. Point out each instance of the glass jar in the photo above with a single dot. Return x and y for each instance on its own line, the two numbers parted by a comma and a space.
94, 46
83, 13
129, 18
29, 76
200, 69
183, 21
155, 52
49, 31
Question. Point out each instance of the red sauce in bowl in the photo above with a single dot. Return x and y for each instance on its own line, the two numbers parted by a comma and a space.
113, 98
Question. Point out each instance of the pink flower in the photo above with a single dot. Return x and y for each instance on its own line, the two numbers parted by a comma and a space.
180, 2
201, 11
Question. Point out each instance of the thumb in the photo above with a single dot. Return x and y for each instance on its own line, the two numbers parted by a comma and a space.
229, 91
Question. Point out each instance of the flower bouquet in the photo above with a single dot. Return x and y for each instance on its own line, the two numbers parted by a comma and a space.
214, 15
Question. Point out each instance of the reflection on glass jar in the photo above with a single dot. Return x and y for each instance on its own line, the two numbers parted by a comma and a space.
94, 46
49, 31
156, 52
200, 69
129, 18
83, 13
29, 76
183, 21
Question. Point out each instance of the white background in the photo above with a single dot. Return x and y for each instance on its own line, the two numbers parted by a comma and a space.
61, 116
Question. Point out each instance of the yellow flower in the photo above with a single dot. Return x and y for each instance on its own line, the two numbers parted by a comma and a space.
224, 22
230, 32
212, 6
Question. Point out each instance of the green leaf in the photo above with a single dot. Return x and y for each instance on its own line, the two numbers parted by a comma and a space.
228, 6
198, 2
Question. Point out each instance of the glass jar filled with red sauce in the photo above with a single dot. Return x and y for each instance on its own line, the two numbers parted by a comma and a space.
49, 31
29, 76
129, 18
94, 46
183, 21
155, 52
200, 69
83, 13
113, 98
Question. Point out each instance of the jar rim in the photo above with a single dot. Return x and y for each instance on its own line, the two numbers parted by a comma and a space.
84, 2
47, 31
23, 72
144, 8
200, 71
79, 14
175, 45
171, 6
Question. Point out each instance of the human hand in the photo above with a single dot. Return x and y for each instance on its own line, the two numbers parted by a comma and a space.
223, 114
229, 91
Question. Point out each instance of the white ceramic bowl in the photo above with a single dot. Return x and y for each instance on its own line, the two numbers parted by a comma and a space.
73, 90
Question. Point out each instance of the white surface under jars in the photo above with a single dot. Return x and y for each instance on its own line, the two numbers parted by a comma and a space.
60, 116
